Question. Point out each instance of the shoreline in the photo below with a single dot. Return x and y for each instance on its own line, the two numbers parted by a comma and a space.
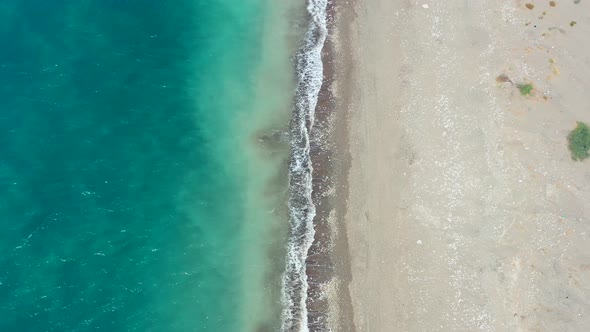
319, 266
302, 208
328, 261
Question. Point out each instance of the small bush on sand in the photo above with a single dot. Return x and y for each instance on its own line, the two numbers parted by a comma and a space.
579, 141
525, 89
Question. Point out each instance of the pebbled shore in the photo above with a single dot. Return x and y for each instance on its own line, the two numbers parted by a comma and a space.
464, 210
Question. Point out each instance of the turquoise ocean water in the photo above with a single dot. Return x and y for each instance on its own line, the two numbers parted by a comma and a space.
139, 190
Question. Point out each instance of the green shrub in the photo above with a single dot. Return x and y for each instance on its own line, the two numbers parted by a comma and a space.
525, 89
579, 141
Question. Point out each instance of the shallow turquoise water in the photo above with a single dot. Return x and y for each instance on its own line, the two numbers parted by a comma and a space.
126, 181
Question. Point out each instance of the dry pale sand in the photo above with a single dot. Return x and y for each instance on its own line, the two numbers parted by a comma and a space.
465, 211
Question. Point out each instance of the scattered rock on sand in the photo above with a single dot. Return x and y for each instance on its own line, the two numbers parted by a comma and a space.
503, 79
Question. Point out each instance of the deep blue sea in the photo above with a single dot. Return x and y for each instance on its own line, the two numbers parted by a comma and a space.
134, 193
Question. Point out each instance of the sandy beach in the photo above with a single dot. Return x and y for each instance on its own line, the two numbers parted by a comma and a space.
464, 210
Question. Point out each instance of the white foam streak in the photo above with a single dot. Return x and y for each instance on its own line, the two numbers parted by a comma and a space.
301, 207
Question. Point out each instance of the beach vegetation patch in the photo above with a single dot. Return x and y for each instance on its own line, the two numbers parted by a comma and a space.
530, 6
552, 3
525, 89
579, 142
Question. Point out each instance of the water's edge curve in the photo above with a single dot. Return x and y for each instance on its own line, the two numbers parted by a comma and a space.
309, 68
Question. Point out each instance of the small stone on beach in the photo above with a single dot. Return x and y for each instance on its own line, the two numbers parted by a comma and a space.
503, 79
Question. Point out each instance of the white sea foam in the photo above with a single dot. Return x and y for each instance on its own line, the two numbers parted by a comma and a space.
301, 207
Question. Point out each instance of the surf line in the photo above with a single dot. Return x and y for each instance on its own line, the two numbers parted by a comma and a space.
302, 211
